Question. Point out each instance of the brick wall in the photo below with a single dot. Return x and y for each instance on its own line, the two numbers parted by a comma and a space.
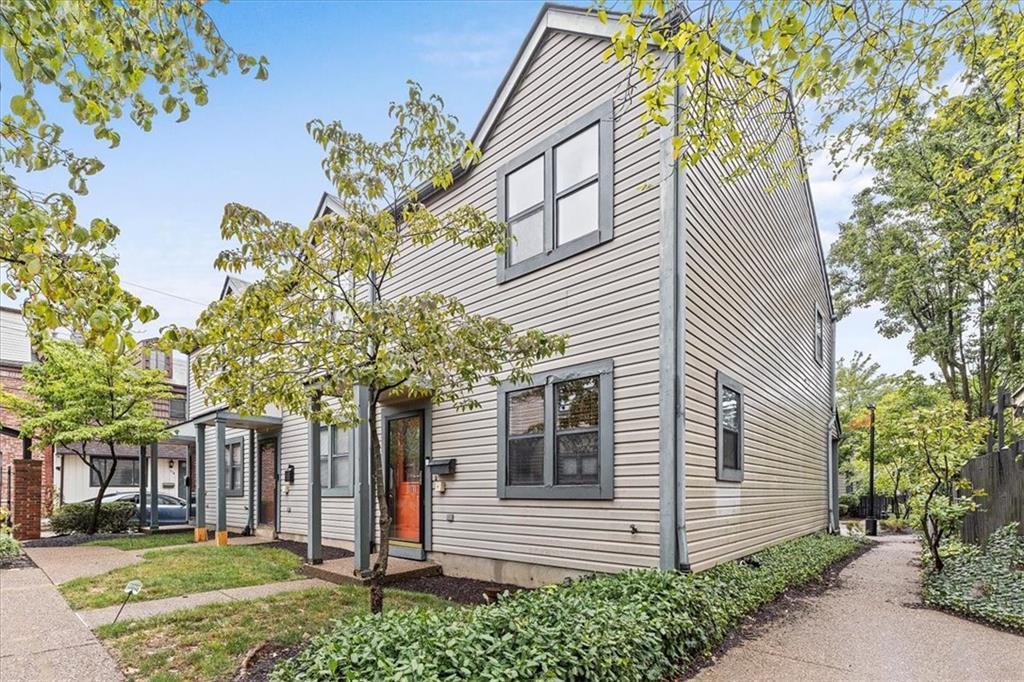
11, 447
27, 507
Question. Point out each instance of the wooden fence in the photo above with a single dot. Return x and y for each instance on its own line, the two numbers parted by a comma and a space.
1001, 475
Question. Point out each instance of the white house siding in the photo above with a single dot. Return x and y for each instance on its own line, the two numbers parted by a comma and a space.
752, 282
336, 512
607, 301
15, 346
74, 479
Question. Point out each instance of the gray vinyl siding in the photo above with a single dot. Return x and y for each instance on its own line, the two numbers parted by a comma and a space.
237, 507
606, 299
336, 512
753, 281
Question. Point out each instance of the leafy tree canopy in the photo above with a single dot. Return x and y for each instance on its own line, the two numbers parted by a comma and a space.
103, 59
326, 315
77, 395
862, 69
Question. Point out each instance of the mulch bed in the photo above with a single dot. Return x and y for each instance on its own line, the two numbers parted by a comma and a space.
299, 549
74, 539
457, 590
784, 606
20, 561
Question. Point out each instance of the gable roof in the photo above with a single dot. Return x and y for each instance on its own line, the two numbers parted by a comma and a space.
582, 21
233, 285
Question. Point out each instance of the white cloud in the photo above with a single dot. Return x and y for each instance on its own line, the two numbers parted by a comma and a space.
474, 51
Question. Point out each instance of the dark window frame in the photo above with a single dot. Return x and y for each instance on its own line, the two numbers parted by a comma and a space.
603, 117
723, 473
604, 370
94, 481
240, 490
184, 408
326, 488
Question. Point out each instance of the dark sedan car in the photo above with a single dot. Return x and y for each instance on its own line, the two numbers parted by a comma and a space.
170, 509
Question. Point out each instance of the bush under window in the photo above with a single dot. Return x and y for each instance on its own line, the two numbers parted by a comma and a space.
115, 517
636, 625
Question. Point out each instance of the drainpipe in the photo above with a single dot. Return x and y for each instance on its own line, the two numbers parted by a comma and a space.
252, 480
833, 460
154, 503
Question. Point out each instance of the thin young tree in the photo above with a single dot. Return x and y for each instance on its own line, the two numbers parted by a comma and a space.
75, 396
322, 320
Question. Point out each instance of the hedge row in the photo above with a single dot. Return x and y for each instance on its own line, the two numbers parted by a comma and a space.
981, 582
637, 625
115, 517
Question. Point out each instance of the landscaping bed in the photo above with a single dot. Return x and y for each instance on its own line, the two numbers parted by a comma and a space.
216, 641
72, 539
184, 570
982, 583
637, 625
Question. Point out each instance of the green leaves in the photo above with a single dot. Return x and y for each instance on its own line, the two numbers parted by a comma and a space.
636, 625
98, 58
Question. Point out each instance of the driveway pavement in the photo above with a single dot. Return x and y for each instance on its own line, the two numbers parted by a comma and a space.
42, 638
871, 627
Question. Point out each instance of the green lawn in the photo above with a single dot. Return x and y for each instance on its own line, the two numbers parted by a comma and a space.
184, 570
210, 642
146, 541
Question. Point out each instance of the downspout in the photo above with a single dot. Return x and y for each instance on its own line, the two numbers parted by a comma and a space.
673, 553
833, 459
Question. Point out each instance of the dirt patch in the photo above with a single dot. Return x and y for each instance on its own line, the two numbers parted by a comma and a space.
261, 661
457, 590
785, 605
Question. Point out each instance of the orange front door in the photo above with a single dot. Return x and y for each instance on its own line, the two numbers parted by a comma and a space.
405, 453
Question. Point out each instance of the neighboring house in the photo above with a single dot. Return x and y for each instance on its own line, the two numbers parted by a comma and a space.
77, 481
15, 352
697, 383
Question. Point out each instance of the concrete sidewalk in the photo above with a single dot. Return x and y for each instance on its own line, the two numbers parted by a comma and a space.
144, 609
42, 638
871, 627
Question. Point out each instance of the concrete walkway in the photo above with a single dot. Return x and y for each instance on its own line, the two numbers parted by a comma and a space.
42, 639
144, 609
869, 628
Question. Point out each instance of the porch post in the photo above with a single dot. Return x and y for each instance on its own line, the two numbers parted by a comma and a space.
222, 509
154, 503
314, 550
200, 484
363, 494
252, 481
142, 485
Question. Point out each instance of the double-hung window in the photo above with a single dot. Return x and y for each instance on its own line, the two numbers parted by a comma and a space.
555, 435
557, 198
730, 410
234, 454
335, 461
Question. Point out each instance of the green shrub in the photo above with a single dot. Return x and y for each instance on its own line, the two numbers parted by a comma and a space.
637, 625
848, 504
115, 517
894, 524
9, 547
981, 582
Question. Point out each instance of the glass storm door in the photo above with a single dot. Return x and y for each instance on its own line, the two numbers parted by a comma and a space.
405, 454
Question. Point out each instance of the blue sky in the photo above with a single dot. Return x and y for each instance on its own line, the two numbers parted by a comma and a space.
333, 60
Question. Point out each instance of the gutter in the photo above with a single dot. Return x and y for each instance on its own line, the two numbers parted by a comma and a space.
831, 450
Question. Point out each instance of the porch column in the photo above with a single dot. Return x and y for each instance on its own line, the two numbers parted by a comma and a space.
222, 509
252, 481
142, 486
314, 550
200, 484
362, 500
154, 503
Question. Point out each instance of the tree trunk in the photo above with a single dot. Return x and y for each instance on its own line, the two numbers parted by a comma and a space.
94, 522
380, 566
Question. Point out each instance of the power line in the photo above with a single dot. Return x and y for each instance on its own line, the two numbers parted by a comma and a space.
165, 293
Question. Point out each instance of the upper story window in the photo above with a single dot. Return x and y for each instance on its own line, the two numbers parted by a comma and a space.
555, 435
177, 408
557, 198
819, 335
730, 429
335, 461
158, 360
